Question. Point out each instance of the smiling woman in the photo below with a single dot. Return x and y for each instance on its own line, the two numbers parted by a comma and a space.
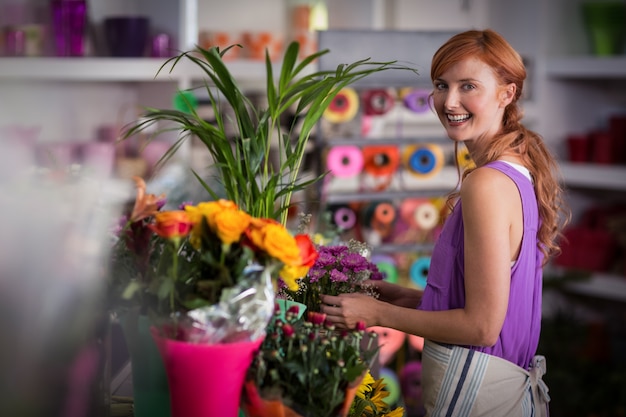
484, 283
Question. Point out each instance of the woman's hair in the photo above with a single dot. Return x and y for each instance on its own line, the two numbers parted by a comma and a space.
492, 49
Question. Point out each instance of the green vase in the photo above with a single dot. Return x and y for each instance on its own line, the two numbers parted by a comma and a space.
150, 387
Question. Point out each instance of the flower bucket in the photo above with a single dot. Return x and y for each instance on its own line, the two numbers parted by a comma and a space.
205, 379
284, 306
151, 395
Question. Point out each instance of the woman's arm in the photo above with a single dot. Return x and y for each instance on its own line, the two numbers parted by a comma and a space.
397, 294
491, 206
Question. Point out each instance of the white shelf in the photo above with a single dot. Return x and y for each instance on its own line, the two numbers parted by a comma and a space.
106, 69
604, 177
603, 286
587, 67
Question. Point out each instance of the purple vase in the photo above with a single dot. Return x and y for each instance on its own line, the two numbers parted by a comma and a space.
69, 19
127, 36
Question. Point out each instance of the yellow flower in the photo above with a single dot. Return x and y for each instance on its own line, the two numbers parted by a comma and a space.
274, 239
366, 385
222, 216
398, 412
379, 394
291, 274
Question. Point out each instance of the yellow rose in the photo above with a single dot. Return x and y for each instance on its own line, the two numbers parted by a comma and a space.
207, 210
274, 239
230, 225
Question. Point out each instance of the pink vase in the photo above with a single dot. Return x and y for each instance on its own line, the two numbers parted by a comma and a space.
205, 380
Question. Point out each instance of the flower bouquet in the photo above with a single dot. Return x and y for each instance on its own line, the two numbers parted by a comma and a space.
305, 368
340, 268
210, 273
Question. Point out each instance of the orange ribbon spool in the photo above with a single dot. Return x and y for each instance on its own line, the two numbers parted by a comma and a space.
381, 160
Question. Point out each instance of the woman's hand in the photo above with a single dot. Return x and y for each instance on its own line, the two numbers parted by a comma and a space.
345, 310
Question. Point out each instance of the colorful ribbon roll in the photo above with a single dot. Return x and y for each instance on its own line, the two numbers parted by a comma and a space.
389, 340
381, 160
426, 216
464, 159
380, 217
377, 102
344, 161
418, 272
344, 218
423, 160
387, 266
343, 107
418, 101
392, 385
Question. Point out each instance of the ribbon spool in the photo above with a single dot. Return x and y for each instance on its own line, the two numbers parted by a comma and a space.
420, 213
463, 158
392, 385
418, 272
343, 107
387, 266
426, 216
344, 218
377, 102
390, 342
417, 101
380, 161
380, 217
424, 160
344, 161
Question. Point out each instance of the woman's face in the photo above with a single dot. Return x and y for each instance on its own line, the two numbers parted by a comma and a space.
469, 102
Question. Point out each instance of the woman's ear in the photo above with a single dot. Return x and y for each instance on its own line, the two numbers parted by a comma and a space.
507, 94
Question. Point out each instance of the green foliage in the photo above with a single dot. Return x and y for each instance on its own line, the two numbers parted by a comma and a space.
246, 172
308, 365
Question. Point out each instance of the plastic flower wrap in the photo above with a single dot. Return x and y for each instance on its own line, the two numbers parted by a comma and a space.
215, 269
342, 268
306, 368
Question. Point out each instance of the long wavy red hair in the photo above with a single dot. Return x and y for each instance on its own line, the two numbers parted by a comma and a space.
492, 49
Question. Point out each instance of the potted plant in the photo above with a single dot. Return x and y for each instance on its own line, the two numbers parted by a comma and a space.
249, 177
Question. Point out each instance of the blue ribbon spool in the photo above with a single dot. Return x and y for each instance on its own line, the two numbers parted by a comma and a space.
422, 161
419, 271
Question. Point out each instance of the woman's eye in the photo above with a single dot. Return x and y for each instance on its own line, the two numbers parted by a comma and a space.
468, 86
440, 86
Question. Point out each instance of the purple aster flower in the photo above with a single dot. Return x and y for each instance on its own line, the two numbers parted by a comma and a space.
355, 262
185, 204
338, 276
324, 259
315, 274
337, 250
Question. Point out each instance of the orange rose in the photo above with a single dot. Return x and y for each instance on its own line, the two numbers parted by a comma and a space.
171, 224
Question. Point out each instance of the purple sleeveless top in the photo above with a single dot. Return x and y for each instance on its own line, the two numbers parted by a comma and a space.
445, 288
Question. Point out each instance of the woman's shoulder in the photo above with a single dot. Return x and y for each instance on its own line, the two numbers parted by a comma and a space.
488, 183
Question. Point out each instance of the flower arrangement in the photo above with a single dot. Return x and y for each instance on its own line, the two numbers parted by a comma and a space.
259, 164
190, 258
369, 400
341, 268
305, 366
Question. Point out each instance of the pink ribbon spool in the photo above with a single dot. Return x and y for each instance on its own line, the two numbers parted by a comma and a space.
417, 101
345, 161
344, 218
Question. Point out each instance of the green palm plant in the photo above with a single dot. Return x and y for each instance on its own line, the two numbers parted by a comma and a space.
243, 160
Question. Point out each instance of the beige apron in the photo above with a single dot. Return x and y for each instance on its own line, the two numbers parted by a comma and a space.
459, 382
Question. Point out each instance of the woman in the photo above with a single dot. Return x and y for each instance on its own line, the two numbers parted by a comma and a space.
480, 312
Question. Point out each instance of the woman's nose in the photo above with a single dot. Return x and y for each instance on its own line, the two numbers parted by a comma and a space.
451, 99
